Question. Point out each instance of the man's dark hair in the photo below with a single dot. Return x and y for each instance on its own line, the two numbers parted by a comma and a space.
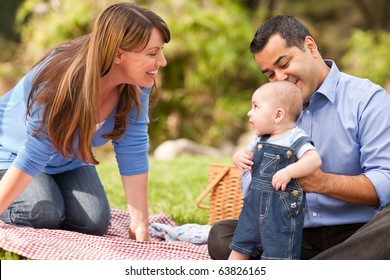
288, 27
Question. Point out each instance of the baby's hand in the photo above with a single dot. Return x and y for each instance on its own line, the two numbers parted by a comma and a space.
243, 160
281, 179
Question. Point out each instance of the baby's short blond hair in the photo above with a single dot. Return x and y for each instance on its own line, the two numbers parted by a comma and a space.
285, 95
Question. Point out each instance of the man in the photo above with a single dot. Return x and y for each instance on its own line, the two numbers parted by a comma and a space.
348, 119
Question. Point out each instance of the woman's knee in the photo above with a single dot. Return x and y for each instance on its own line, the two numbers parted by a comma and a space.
99, 222
43, 214
40, 205
95, 222
86, 203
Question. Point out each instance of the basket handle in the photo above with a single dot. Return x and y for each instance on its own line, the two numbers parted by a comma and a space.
210, 187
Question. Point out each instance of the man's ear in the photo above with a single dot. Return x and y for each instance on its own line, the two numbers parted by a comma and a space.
311, 45
279, 115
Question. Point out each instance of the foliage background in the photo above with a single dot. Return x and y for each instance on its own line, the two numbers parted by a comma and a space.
205, 90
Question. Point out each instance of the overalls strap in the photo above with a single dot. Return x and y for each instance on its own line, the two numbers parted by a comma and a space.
300, 142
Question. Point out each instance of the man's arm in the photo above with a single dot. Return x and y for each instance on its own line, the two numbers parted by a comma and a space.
353, 189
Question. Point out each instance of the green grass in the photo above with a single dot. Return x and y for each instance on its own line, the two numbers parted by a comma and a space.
173, 187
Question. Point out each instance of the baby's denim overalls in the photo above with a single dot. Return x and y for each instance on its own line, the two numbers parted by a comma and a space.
271, 222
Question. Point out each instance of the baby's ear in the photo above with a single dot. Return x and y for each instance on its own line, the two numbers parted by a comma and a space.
279, 115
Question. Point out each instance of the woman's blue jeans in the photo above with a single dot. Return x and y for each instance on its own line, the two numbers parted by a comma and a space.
74, 200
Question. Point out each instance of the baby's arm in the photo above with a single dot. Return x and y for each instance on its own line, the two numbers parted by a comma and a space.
243, 160
307, 164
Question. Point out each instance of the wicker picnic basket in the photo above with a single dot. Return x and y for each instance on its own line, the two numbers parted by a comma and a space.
224, 192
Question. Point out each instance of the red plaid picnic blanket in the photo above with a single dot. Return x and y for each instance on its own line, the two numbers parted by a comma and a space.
45, 244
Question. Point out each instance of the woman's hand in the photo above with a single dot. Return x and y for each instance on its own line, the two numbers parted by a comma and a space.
140, 231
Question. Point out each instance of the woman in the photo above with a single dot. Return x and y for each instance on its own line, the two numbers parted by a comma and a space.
80, 95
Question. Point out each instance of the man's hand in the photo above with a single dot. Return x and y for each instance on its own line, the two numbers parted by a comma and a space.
243, 160
314, 183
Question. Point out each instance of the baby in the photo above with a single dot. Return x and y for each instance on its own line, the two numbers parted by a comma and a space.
271, 221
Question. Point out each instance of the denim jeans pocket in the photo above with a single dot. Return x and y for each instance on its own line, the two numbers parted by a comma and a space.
293, 203
269, 165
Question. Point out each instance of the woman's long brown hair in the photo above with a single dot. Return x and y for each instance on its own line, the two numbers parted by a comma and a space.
67, 82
